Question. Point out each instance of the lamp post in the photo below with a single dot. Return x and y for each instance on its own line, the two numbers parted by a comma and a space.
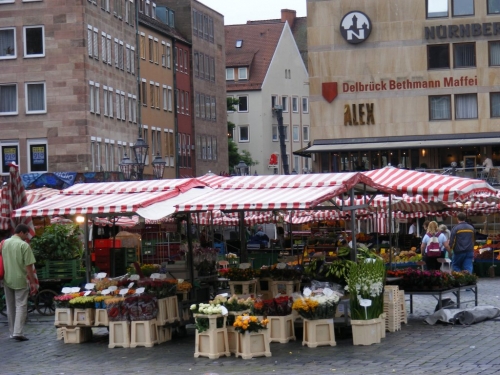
158, 166
241, 168
126, 167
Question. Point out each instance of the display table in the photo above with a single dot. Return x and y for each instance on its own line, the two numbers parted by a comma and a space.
438, 295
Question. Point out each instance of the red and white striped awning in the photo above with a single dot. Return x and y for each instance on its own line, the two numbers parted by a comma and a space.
133, 187
261, 199
37, 195
445, 188
93, 204
345, 180
213, 180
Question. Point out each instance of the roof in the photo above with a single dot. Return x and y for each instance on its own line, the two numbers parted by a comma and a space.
299, 31
161, 27
259, 41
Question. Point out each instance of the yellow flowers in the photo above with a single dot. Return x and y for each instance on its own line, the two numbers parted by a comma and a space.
305, 304
246, 323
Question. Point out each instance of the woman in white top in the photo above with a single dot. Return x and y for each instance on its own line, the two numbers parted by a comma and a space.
433, 231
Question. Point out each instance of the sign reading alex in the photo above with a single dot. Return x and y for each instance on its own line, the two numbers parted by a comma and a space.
355, 27
360, 114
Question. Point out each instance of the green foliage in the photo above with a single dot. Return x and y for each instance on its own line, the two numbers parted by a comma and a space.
231, 103
58, 242
234, 156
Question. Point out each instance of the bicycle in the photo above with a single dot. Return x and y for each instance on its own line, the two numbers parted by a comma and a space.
43, 302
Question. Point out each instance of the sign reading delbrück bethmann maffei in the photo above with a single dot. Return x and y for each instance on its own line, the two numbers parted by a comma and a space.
355, 27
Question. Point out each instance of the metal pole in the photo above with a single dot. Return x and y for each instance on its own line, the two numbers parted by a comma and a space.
88, 267
281, 131
390, 231
243, 242
353, 228
190, 253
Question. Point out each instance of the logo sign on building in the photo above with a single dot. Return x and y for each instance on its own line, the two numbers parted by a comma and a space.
355, 27
329, 91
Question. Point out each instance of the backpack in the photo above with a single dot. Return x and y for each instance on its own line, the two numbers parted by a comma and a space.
433, 250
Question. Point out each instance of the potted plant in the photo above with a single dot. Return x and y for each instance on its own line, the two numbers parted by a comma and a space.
365, 286
253, 337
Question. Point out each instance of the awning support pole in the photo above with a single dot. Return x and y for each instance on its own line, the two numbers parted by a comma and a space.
354, 249
390, 231
88, 266
243, 238
190, 253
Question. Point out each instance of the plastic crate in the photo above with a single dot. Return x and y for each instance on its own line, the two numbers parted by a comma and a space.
59, 269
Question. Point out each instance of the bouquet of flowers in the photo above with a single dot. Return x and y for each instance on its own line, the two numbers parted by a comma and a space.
115, 309
99, 301
160, 288
202, 323
83, 302
285, 274
317, 307
62, 301
144, 270
101, 284
246, 323
238, 304
142, 307
205, 253
238, 274
280, 306
365, 286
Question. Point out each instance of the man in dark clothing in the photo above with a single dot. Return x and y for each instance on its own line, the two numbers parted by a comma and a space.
462, 245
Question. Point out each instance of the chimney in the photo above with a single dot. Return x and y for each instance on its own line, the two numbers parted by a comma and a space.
288, 15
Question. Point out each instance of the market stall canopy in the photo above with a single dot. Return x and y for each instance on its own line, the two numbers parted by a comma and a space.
429, 185
109, 198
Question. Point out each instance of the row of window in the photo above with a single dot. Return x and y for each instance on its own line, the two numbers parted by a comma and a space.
124, 57
242, 73
459, 8
36, 155
34, 98
204, 66
243, 103
206, 147
464, 55
203, 25
184, 150
244, 133
122, 9
205, 106
33, 42
440, 106
113, 102
182, 100
181, 59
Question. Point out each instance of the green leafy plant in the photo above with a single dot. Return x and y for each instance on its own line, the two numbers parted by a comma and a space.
58, 242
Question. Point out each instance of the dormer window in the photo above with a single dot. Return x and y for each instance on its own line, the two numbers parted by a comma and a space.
229, 74
239, 43
243, 73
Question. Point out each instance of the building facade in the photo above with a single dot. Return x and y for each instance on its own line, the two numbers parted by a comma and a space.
67, 84
165, 90
264, 68
204, 29
412, 83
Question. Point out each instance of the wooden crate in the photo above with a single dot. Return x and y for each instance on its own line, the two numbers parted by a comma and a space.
59, 269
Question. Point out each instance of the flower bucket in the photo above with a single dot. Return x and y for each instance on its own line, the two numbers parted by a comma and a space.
318, 332
366, 332
253, 344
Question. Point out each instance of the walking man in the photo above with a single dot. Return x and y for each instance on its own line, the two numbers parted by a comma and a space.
462, 245
18, 261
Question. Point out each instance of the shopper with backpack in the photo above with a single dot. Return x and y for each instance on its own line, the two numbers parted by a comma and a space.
432, 243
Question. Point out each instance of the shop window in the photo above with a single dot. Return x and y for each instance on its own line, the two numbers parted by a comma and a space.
440, 107
465, 106
243, 133
494, 53
229, 74
10, 154
495, 104
493, 6
243, 104
438, 56
462, 8
437, 8
464, 55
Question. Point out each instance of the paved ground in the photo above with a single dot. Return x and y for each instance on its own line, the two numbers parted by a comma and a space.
416, 349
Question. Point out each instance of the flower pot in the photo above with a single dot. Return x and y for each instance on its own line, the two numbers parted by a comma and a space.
366, 332
83, 317
253, 344
212, 343
318, 333
285, 288
243, 287
281, 329
101, 318
63, 317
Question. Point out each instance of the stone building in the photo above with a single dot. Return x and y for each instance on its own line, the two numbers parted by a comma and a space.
404, 82
67, 84
204, 29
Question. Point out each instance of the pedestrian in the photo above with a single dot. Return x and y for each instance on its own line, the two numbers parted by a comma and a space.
462, 239
413, 227
19, 280
429, 258
444, 229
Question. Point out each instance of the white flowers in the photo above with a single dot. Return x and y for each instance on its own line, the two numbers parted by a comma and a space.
207, 309
324, 300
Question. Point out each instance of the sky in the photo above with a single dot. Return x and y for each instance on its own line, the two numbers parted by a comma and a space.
240, 11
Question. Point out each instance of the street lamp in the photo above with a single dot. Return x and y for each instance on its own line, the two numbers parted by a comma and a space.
241, 168
140, 155
126, 167
158, 166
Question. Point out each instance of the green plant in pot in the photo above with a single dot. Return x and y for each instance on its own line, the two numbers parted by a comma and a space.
58, 242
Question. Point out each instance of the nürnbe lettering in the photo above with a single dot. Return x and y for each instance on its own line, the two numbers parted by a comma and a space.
462, 31
407, 84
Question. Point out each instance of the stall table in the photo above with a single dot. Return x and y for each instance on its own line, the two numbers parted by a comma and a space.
438, 295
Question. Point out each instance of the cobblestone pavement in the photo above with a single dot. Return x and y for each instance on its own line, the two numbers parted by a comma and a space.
416, 349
